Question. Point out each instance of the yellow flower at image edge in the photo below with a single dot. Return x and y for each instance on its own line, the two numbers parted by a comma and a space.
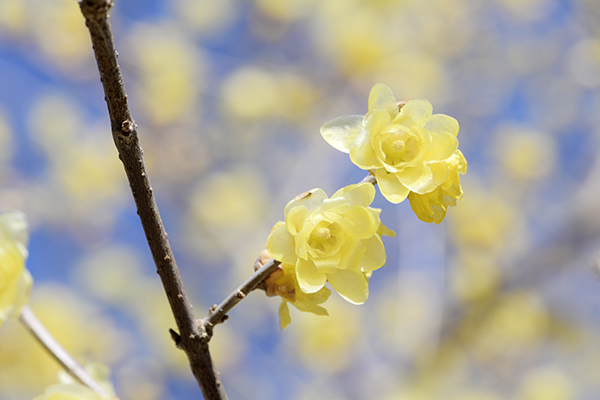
15, 280
407, 148
331, 239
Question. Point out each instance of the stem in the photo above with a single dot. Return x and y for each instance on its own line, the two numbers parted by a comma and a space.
369, 179
218, 313
68, 363
193, 339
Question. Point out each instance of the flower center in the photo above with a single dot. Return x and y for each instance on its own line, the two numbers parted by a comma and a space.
323, 233
398, 146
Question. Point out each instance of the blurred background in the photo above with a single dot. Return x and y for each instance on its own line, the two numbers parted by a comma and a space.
500, 301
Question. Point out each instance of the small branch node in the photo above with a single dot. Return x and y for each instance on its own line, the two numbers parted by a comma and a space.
127, 127
240, 295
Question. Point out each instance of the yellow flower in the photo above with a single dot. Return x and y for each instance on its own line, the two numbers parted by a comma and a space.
15, 280
406, 147
287, 287
331, 239
432, 206
69, 389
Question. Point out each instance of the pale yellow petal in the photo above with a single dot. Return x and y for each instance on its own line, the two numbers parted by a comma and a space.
309, 278
374, 257
284, 314
351, 284
418, 179
442, 123
440, 172
415, 112
365, 221
442, 146
382, 98
280, 246
294, 220
364, 157
351, 253
14, 228
310, 200
344, 132
360, 194
391, 188
326, 265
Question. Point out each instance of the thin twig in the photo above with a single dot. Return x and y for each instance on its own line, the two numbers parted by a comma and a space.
369, 179
193, 340
68, 363
218, 313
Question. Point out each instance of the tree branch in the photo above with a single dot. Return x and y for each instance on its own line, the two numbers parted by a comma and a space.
218, 313
68, 363
193, 339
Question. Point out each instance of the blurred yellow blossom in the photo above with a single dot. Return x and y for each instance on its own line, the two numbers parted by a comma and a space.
84, 331
61, 34
171, 72
206, 16
513, 328
526, 155
406, 147
328, 344
69, 389
432, 206
547, 383
331, 240
15, 280
255, 93
13, 16
476, 277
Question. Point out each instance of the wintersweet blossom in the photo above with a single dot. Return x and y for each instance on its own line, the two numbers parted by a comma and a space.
406, 147
283, 282
432, 206
15, 280
331, 239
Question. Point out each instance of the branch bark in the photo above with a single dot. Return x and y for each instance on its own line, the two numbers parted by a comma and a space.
68, 363
218, 313
193, 339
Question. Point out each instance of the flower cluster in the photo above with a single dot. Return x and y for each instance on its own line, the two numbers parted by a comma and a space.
335, 240
409, 150
15, 280
411, 153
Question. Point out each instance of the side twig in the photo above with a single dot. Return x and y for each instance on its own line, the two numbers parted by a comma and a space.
218, 313
192, 339
68, 363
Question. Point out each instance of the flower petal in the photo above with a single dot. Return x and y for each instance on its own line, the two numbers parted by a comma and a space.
366, 221
360, 194
442, 146
352, 285
311, 200
344, 132
309, 278
418, 179
280, 246
294, 220
391, 188
14, 228
440, 172
442, 123
364, 157
382, 98
415, 112
284, 314
374, 257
